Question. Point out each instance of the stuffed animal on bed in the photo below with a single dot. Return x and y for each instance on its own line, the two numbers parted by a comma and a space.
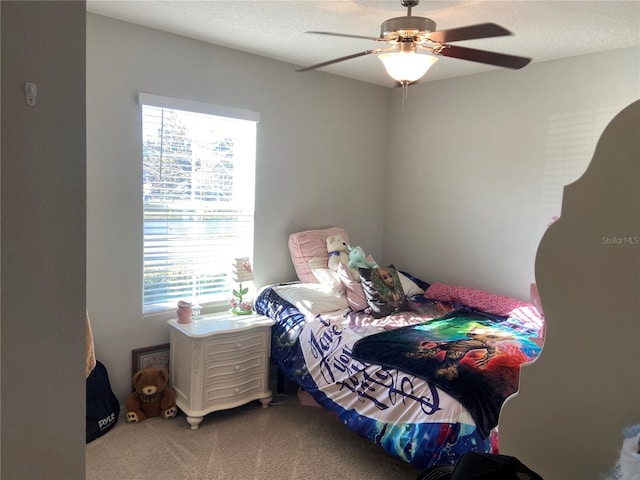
358, 259
338, 251
152, 396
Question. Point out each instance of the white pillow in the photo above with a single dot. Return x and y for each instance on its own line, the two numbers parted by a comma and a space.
410, 287
311, 298
330, 280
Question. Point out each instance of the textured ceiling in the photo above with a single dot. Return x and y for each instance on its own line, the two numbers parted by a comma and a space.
543, 30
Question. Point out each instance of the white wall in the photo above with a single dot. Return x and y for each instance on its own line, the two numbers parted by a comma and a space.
322, 143
478, 164
43, 242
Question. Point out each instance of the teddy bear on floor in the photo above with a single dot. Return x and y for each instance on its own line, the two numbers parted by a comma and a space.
358, 259
152, 396
338, 251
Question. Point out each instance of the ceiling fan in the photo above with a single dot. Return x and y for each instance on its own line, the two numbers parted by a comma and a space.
411, 38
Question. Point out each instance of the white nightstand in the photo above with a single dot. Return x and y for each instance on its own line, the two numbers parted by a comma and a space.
219, 362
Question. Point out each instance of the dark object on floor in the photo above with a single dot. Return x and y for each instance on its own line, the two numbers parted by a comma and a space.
481, 466
103, 407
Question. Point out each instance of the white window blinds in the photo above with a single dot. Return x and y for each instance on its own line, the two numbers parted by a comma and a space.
198, 196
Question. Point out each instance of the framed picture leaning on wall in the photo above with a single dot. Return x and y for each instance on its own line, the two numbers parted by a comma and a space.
156, 356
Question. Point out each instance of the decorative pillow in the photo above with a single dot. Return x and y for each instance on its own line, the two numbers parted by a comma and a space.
308, 251
410, 287
418, 281
383, 290
311, 299
355, 294
330, 280
474, 298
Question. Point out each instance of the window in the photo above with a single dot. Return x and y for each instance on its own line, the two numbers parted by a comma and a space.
198, 197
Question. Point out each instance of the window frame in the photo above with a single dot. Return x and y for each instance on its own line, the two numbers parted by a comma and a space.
152, 100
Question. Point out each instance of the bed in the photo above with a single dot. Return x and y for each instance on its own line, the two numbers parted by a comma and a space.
423, 375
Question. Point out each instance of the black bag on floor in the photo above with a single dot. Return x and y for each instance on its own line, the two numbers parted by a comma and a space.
481, 466
103, 407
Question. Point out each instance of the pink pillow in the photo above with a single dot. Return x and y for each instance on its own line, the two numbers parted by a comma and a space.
355, 293
478, 299
308, 251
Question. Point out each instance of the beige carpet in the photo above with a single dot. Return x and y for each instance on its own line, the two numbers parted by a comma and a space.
285, 441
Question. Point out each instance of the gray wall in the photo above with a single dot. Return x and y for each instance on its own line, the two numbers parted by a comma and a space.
43, 241
322, 144
484, 159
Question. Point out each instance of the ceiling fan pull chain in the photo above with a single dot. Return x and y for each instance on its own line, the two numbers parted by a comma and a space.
405, 93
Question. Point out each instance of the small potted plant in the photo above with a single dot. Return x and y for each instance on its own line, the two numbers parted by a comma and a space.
241, 272
238, 306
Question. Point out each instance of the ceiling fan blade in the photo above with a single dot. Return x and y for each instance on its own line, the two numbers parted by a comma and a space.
471, 32
347, 35
336, 60
482, 56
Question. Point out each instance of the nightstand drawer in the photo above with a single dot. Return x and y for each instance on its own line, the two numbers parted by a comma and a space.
223, 395
236, 343
231, 367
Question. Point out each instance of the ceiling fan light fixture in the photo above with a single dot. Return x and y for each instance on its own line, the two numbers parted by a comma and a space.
409, 36
407, 67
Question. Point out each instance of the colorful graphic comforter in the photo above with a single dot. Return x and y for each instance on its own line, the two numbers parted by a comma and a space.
386, 394
469, 355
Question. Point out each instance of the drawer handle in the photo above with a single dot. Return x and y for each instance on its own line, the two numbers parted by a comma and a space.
237, 390
238, 346
237, 367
